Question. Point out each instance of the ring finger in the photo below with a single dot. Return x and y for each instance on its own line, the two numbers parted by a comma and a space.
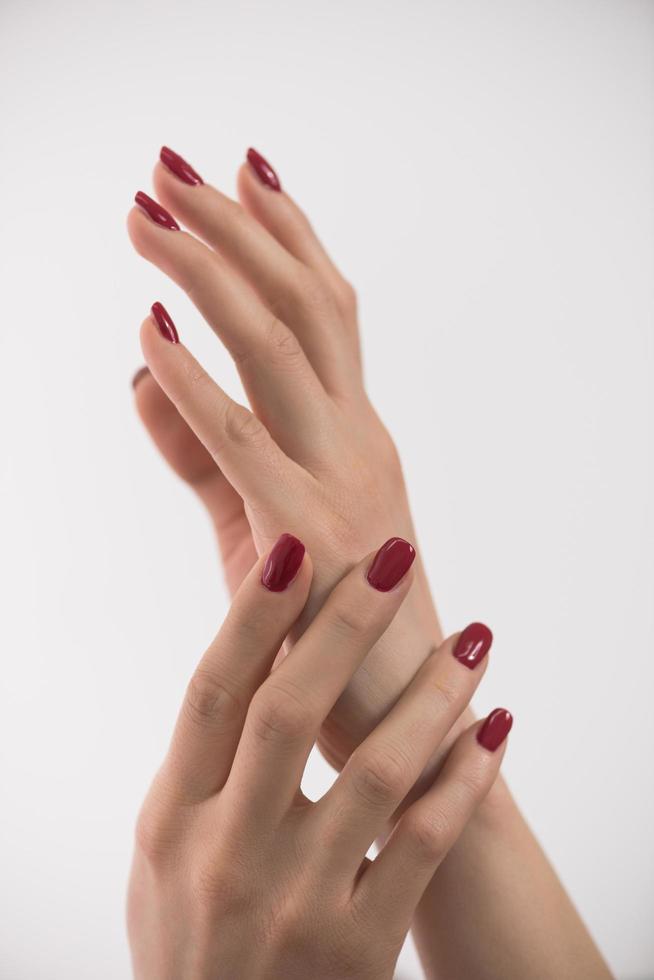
382, 770
287, 287
283, 388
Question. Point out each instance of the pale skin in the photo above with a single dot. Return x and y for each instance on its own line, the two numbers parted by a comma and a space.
236, 873
313, 458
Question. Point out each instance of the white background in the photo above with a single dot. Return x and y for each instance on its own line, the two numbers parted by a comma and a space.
483, 173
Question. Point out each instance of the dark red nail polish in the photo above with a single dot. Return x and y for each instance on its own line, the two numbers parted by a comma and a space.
495, 729
283, 563
473, 645
390, 564
178, 166
141, 373
165, 323
263, 170
154, 210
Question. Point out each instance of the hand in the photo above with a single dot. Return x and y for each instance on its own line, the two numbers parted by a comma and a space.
236, 873
314, 453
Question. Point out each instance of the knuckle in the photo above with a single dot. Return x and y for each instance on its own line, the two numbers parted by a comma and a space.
472, 781
389, 454
218, 889
209, 702
379, 778
446, 693
348, 619
149, 839
313, 295
157, 831
430, 831
281, 344
243, 427
196, 381
347, 297
280, 713
385, 449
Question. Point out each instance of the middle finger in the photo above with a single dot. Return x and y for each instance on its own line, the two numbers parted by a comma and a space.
283, 388
288, 287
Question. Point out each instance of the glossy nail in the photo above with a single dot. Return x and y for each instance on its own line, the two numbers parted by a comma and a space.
165, 323
178, 166
495, 729
473, 645
154, 210
141, 373
390, 564
283, 563
263, 170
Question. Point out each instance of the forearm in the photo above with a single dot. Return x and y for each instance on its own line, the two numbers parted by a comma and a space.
498, 886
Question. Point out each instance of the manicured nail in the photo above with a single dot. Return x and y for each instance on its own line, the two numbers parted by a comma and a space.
178, 166
495, 729
263, 170
154, 210
141, 373
165, 323
473, 645
390, 564
283, 563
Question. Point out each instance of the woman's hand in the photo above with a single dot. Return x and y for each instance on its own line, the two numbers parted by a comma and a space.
318, 456
236, 873
313, 453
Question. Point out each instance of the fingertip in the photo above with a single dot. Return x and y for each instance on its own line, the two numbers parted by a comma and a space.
152, 343
165, 183
137, 229
142, 373
246, 182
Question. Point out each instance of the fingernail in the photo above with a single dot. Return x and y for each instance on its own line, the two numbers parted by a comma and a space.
141, 373
154, 210
473, 645
495, 729
164, 321
283, 563
178, 166
390, 564
263, 170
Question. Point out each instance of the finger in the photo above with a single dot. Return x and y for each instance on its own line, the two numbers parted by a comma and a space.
392, 885
292, 291
236, 440
383, 769
186, 455
289, 225
217, 698
286, 713
283, 389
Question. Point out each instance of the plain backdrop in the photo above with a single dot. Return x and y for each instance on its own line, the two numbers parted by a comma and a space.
482, 171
